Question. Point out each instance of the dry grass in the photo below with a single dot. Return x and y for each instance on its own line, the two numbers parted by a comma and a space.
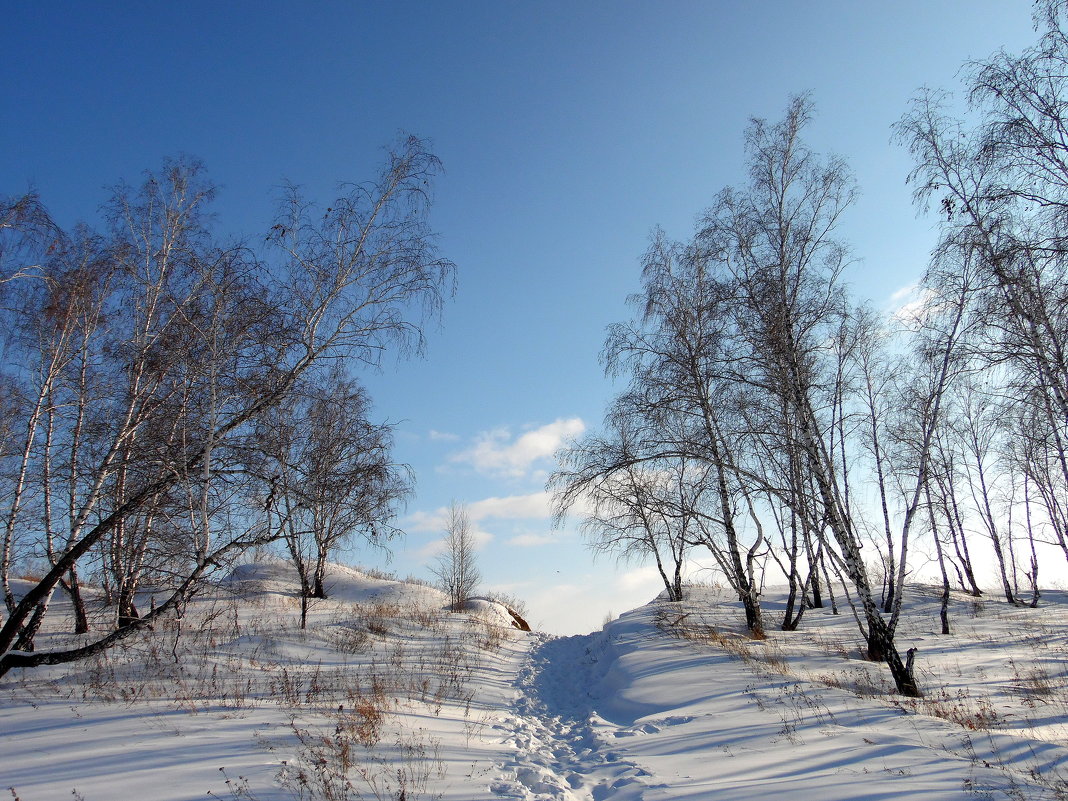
961, 708
240, 650
338, 767
760, 653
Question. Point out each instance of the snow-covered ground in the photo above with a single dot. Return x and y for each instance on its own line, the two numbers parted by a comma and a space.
386, 695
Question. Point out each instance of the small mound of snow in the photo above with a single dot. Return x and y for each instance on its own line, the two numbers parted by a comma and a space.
269, 575
495, 613
352, 585
343, 583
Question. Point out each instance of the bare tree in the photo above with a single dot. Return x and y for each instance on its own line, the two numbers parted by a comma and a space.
773, 243
205, 364
945, 490
637, 507
27, 236
457, 566
328, 475
877, 374
795, 516
934, 370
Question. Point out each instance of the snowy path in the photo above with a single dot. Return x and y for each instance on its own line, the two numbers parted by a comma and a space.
630, 714
557, 754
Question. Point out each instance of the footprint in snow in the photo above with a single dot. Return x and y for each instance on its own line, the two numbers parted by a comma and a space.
647, 728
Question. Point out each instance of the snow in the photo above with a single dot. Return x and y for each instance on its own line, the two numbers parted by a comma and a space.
387, 691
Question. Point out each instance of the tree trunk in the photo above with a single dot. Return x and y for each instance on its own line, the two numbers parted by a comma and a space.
74, 589
943, 612
880, 637
127, 610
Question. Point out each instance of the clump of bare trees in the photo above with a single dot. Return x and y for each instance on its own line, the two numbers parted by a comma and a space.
773, 422
739, 391
329, 474
999, 183
754, 382
172, 399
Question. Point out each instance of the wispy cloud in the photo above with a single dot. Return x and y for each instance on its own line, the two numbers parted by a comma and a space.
903, 294
640, 579
910, 305
534, 506
442, 436
426, 521
480, 537
497, 453
580, 606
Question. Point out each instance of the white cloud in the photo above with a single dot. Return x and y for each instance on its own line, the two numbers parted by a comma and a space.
431, 549
426, 521
443, 436
911, 305
496, 453
482, 538
581, 605
904, 293
535, 506
640, 579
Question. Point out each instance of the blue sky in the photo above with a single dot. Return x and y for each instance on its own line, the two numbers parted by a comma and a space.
568, 131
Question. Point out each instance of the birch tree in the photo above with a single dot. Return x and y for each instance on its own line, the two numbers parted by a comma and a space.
328, 476
773, 242
347, 283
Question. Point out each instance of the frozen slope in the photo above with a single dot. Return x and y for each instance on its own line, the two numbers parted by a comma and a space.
387, 694
630, 713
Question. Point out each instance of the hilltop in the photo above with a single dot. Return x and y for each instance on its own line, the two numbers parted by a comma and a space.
387, 695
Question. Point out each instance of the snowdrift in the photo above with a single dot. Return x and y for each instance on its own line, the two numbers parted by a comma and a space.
387, 694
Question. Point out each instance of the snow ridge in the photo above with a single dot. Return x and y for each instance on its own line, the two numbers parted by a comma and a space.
558, 756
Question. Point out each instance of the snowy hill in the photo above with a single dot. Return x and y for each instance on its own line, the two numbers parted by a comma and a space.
386, 695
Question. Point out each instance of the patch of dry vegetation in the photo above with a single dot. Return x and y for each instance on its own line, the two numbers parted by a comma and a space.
338, 682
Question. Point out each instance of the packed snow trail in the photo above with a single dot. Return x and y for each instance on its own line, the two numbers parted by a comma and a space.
557, 754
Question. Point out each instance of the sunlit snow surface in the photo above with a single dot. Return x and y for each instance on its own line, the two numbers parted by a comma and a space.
670, 701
